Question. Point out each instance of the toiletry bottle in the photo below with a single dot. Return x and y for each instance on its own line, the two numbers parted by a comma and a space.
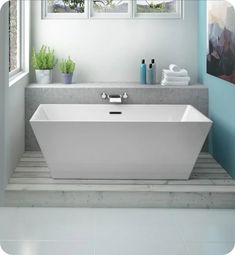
154, 71
150, 77
143, 72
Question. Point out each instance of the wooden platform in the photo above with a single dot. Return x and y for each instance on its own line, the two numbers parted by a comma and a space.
208, 187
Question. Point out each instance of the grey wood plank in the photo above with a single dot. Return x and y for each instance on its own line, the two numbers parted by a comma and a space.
32, 164
209, 171
36, 163
34, 154
207, 165
29, 180
190, 182
122, 188
39, 180
206, 160
197, 173
31, 169
32, 159
195, 178
46, 169
31, 175
41, 161
209, 176
205, 155
38, 155
202, 155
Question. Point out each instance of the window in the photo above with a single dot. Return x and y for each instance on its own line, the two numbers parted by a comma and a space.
158, 9
19, 13
77, 6
65, 8
14, 36
112, 8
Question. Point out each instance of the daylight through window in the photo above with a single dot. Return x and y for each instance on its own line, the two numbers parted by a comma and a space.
14, 35
112, 8
156, 6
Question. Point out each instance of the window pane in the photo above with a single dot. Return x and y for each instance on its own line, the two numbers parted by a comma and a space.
66, 6
110, 6
13, 35
156, 6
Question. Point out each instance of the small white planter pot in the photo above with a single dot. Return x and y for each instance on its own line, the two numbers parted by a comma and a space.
43, 76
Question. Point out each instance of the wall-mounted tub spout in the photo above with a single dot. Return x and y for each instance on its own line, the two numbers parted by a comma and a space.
115, 98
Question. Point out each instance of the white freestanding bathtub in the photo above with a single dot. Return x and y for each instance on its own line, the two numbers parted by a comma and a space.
120, 141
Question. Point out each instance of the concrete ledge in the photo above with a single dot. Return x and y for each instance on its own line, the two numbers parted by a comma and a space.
120, 199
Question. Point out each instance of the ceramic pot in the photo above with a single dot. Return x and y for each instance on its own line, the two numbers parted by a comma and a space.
68, 77
43, 76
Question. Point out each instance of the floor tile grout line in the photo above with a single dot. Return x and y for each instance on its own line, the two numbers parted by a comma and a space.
182, 238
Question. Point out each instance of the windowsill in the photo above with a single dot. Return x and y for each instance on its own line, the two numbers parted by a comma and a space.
17, 77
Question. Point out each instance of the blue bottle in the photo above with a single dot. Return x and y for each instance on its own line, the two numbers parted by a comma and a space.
143, 72
150, 74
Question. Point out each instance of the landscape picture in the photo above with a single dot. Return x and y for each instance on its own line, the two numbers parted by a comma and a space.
115, 6
111, 6
221, 39
156, 6
70, 6
66, 6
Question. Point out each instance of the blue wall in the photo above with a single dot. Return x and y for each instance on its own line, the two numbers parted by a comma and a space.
221, 103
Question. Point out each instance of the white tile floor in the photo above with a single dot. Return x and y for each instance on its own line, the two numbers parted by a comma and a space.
35, 231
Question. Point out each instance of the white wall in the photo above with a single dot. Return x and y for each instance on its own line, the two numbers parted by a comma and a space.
111, 50
15, 124
3, 82
11, 111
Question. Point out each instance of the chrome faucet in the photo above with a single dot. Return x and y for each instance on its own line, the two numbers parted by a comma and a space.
114, 98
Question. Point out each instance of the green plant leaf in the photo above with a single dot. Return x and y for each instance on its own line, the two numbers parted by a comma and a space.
67, 66
44, 59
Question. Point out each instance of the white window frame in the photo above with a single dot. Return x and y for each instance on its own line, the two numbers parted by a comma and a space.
132, 13
163, 15
107, 15
47, 15
23, 16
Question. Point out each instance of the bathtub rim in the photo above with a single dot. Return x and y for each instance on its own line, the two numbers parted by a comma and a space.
203, 117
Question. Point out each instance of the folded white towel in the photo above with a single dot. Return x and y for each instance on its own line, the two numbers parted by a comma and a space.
176, 78
174, 83
181, 73
174, 68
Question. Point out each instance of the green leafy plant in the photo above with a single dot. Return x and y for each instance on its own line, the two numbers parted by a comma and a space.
44, 59
160, 7
67, 66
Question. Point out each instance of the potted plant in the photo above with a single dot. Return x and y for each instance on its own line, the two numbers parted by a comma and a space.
43, 62
67, 67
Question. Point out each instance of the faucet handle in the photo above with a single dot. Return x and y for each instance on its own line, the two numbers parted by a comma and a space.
125, 96
104, 95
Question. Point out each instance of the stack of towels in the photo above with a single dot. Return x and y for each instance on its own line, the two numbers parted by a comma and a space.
175, 76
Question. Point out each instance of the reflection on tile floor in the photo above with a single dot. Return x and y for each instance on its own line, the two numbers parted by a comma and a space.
61, 231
